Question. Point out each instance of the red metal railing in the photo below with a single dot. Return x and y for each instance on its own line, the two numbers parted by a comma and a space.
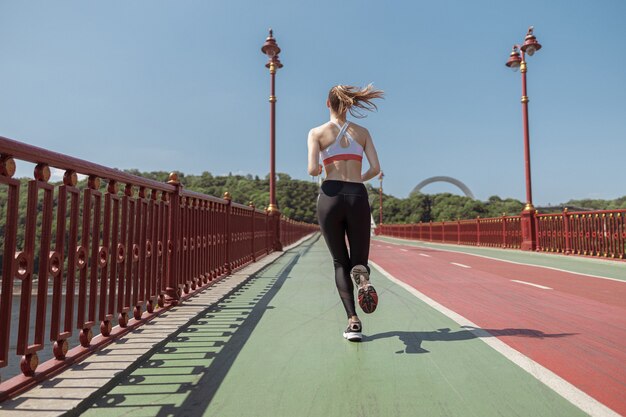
591, 233
109, 255
291, 230
503, 232
598, 233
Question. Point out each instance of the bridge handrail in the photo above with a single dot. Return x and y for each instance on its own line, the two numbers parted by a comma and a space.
36, 155
600, 233
126, 254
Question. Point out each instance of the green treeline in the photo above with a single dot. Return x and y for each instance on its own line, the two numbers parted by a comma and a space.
295, 198
441, 207
618, 203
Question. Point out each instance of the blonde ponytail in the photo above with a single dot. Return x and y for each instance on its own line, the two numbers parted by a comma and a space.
344, 98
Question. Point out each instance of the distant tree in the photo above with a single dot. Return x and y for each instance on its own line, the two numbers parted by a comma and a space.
618, 203
495, 206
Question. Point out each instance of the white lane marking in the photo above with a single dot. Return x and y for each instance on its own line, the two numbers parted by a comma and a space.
568, 391
534, 285
513, 262
461, 265
389, 247
404, 250
423, 254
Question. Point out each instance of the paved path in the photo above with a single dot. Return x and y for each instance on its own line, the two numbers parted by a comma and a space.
274, 348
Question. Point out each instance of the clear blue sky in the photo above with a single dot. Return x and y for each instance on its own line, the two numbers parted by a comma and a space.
181, 85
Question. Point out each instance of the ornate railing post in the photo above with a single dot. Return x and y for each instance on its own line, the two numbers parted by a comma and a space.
443, 232
252, 216
13, 262
274, 215
90, 242
229, 205
458, 231
568, 235
503, 230
172, 287
430, 230
529, 228
267, 231
477, 230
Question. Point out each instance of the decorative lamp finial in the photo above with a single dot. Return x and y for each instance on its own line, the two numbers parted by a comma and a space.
530, 45
173, 178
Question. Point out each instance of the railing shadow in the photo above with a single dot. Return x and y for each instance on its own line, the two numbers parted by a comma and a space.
206, 346
413, 340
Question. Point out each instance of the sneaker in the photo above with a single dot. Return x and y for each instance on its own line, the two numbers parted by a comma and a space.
367, 296
354, 331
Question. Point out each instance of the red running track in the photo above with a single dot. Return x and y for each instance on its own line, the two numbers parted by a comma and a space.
577, 329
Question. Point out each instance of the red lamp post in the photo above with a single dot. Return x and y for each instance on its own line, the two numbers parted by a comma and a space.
380, 193
271, 49
517, 61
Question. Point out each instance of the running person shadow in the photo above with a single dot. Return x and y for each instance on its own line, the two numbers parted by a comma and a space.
413, 340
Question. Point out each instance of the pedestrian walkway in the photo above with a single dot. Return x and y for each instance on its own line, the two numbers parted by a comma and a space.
275, 348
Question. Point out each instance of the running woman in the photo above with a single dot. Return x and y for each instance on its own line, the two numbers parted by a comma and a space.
343, 208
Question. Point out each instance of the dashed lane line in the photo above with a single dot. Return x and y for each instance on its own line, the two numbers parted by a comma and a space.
461, 265
530, 283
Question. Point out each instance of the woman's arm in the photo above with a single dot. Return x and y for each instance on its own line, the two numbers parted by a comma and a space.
372, 158
315, 168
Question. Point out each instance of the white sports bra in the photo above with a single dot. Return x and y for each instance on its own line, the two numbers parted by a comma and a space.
335, 152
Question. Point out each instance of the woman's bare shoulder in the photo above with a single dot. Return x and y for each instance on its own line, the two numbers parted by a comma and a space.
359, 130
319, 130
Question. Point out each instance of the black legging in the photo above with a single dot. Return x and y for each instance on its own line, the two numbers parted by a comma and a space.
343, 210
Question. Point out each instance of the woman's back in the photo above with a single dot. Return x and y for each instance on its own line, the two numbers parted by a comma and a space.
342, 169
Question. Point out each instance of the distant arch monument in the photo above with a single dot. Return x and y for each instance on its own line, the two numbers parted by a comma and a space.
454, 181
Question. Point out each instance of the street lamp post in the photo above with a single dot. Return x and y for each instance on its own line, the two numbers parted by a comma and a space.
380, 193
517, 60
271, 49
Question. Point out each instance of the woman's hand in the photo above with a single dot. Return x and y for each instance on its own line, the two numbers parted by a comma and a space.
320, 170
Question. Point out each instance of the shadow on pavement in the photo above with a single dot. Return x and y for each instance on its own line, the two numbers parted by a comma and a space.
413, 340
167, 383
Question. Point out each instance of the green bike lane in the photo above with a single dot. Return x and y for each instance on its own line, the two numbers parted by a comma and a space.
274, 347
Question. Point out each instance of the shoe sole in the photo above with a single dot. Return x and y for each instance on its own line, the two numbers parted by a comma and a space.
353, 336
368, 299
367, 295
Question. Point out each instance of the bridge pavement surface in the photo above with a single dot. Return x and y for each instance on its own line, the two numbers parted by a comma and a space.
274, 347
561, 318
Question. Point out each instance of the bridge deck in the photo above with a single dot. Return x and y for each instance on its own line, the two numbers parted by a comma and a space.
273, 346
